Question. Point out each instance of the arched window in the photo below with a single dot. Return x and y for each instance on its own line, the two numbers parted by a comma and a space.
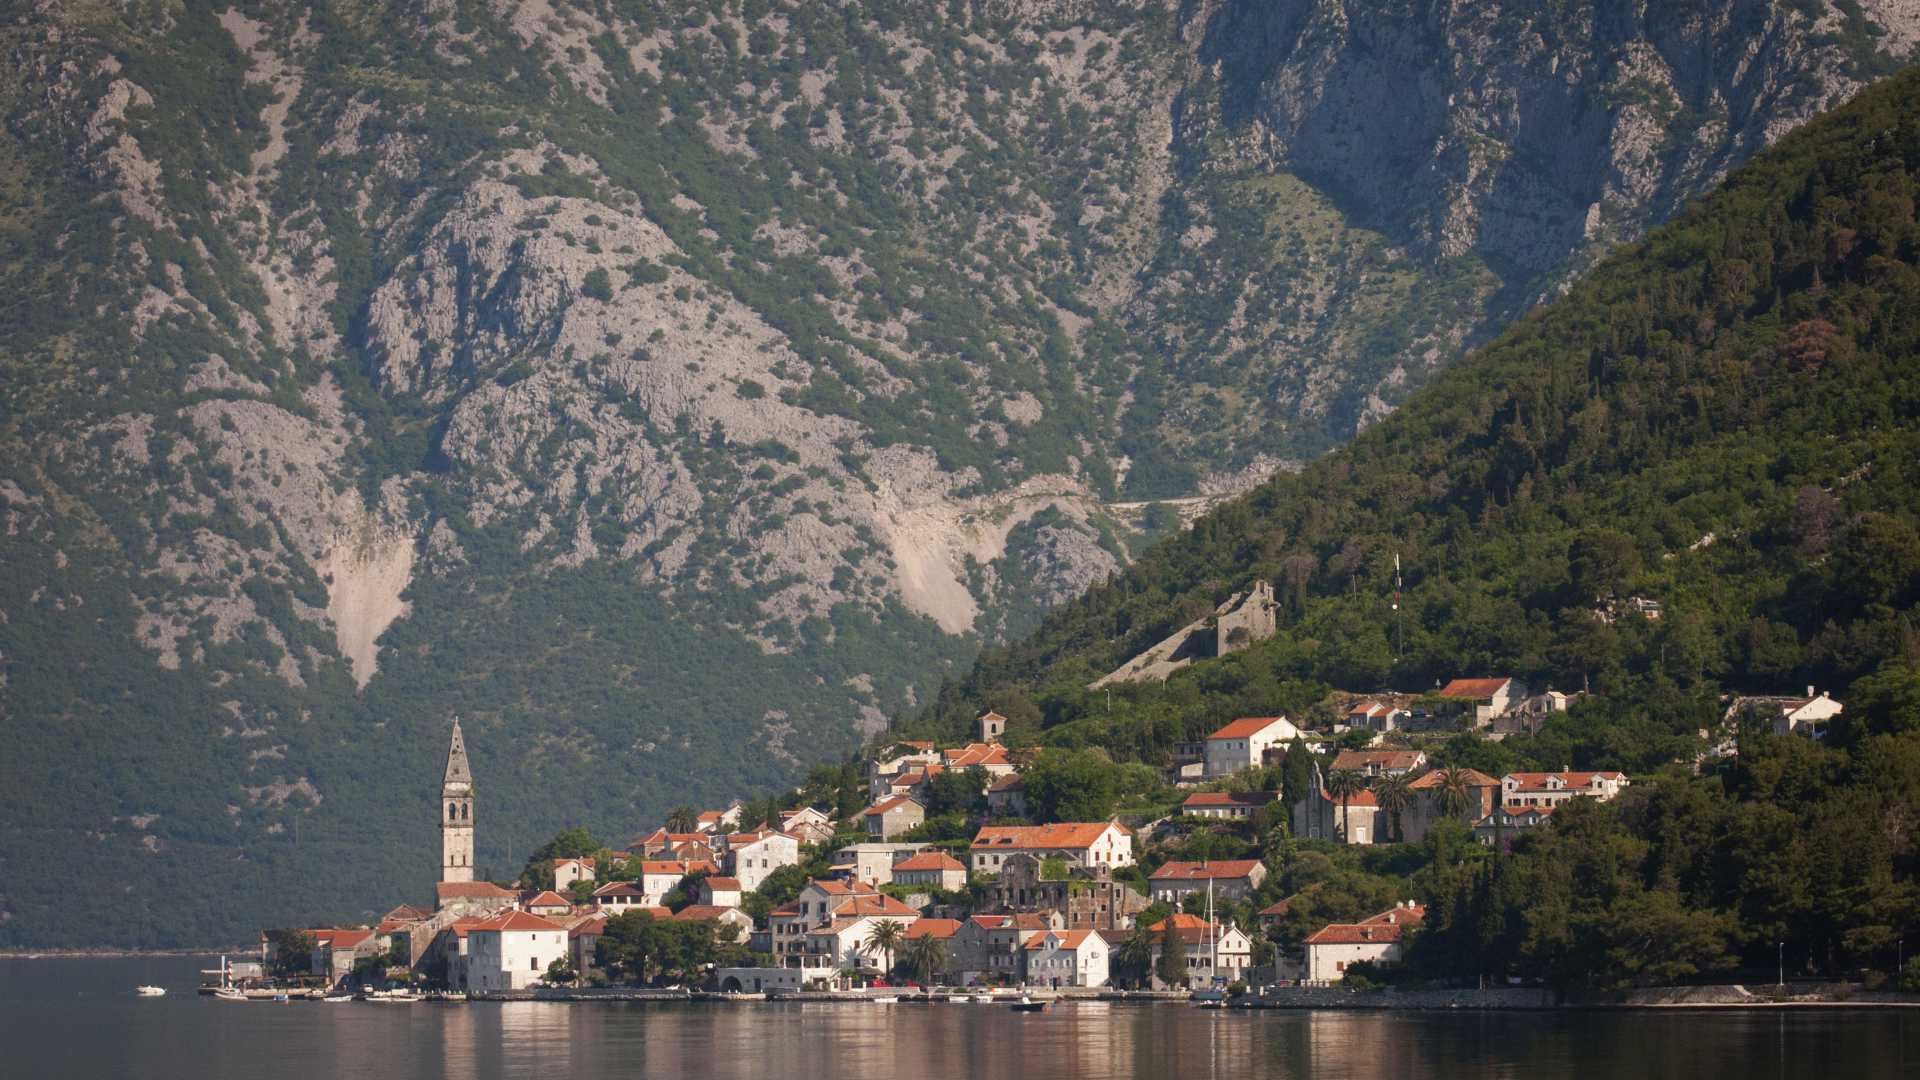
453, 811
466, 811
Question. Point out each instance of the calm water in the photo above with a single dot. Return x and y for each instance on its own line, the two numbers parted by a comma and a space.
78, 1018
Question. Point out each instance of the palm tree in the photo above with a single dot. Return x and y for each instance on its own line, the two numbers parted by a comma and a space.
885, 938
1394, 794
927, 957
1455, 791
682, 819
1135, 954
1343, 784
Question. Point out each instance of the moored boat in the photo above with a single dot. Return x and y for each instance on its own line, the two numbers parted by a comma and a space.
229, 994
150, 991
1028, 1005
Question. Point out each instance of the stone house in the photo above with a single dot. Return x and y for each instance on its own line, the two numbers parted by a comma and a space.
718, 891
568, 871
892, 817
1068, 958
992, 948
1227, 805
1231, 879
1085, 899
1483, 699
1089, 844
1429, 803
1243, 744
932, 870
1374, 764
1215, 953
1007, 796
752, 856
512, 951
1378, 939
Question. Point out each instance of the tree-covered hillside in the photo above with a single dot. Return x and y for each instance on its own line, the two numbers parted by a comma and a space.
1722, 418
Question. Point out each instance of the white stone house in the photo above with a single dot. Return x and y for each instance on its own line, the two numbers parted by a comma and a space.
1232, 879
1378, 940
568, 871
1215, 953
932, 870
893, 816
717, 891
1244, 743
1553, 788
752, 856
1068, 958
512, 951
1488, 698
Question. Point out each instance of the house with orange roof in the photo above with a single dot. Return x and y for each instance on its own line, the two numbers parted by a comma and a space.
1378, 939
1488, 699
1374, 764
942, 929
892, 816
620, 897
1554, 788
658, 877
721, 915
895, 759
1501, 825
753, 856
546, 903
1244, 743
512, 951
1088, 844
931, 870
1322, 816
989, 757
718, 822
1230, 879
991, 949
808, 824
663, 844
718, 891
1227, 805
583, 943
1430, 798
1215, 953
568, 871
1059, 958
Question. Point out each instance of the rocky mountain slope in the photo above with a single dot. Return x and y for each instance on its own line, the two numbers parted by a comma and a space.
667, 389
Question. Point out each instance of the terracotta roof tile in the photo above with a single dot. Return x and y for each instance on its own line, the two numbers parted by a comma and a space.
1247, 727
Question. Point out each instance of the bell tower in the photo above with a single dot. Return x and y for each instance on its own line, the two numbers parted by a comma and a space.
456, 813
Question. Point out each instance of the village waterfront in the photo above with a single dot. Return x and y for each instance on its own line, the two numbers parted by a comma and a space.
78, 1018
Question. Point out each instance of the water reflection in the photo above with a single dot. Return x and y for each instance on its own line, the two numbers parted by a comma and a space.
79, 1019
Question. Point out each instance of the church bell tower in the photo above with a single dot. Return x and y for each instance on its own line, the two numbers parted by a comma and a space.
456, 813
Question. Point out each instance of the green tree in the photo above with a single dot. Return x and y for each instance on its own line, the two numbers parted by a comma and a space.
1171, 967
1395, 795
1344, 784
289, 952
1133, 957
682, 819
926, 957
884, 939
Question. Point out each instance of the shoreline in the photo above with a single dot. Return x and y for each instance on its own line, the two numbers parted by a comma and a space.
115, 954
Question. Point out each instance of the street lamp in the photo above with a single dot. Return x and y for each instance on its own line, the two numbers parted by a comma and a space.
1783, 965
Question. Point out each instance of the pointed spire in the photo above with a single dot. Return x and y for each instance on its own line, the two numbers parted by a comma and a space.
457, 769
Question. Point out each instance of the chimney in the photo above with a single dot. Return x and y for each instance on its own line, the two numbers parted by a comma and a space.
1810, 692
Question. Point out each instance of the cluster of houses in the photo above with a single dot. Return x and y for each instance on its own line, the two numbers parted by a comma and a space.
1046, 905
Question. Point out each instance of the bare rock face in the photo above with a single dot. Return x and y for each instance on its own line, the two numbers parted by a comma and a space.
674, 392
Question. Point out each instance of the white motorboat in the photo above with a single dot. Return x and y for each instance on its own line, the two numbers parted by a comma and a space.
229, 994
983, 999
150, 991
891, 1000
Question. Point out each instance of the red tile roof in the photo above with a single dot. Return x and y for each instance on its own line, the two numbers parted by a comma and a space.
515, 921
589, 928
1473, 689
1433, 778
1008, 782
678, 867
1247, 727
1362, 798
1065, 836
1230, 798
889, 804
471, 890
934, 928
929, 860
972, 754
548, 898
1212, 870
1537, 781
723, 884
694, 912
1361, 760
1384, 928
1069, 939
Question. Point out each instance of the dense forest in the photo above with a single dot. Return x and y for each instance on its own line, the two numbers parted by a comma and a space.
1721, 418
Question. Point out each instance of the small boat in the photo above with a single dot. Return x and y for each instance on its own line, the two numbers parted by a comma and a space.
150, 991
1027, 1004
229, 994
281, 998
983, 999
337, 999
893, 999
